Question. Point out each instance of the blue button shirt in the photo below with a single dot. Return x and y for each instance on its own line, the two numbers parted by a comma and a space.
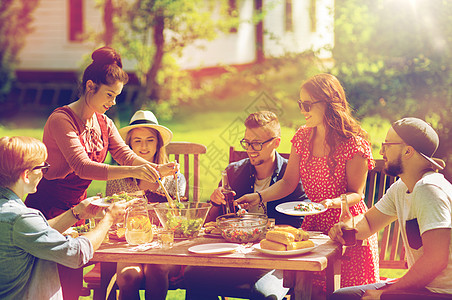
30, 250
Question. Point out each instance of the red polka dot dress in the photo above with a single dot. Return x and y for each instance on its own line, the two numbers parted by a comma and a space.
360, 264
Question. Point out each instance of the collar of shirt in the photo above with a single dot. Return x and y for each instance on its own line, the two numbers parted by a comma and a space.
6, 193
279, 163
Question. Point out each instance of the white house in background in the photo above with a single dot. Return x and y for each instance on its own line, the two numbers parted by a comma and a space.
290, 26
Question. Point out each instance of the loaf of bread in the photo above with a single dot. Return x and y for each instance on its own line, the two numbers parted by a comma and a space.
298, 233
300, 245
269, 245
282, 237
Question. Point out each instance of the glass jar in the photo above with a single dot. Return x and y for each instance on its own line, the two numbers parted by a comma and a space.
138, 224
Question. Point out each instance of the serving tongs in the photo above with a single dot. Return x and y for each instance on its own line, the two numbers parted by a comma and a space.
240, 211
176, 176
168, 197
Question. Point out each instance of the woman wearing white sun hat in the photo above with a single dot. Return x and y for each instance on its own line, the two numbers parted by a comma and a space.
147, 138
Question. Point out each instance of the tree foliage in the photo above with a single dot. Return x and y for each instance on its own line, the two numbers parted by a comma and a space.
155, 32
15, 19
394, 58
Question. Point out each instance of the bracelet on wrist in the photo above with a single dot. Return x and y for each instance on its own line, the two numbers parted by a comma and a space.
75, 214
261, 203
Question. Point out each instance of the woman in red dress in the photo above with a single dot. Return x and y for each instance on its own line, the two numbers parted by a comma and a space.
331, 155
78, 137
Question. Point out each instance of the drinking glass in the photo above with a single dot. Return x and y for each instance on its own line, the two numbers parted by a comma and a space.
166, 240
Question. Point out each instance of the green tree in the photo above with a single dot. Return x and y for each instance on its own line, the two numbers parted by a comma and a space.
15, 19
154, 33
394, 58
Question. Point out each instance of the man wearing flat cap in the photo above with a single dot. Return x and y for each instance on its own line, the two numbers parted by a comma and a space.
421, 201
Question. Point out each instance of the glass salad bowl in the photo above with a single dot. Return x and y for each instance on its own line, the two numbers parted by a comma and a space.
186, 220
250, 227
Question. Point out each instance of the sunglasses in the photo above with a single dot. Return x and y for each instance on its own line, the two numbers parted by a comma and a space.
306, 106
257, 146
43, 168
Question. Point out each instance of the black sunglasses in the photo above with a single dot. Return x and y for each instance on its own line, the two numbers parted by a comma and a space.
306, 106
43, 168
257, 146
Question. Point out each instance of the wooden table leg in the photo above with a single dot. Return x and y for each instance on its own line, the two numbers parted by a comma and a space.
106, 272
333, 277
300, 282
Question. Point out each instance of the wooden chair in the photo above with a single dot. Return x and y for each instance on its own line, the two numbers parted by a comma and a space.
189, 166
392, 251
187, 150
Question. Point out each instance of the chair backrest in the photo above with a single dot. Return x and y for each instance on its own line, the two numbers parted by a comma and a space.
189, 166
392, 251
235, 155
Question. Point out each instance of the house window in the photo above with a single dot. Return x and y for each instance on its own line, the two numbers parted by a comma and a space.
75, 20
233, 12
312, 15
288, 16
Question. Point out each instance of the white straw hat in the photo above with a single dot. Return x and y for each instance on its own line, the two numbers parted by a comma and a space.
145, 118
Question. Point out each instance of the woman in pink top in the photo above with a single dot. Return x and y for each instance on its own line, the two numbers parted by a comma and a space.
78, 137
331, 155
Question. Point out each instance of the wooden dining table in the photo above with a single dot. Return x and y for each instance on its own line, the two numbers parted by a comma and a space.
298, 269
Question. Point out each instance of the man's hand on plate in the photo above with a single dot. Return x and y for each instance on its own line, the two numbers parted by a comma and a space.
86, 210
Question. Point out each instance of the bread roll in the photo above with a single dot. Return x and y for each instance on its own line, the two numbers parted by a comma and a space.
300, 245
210, 224
280, 237
269, 245
299, 234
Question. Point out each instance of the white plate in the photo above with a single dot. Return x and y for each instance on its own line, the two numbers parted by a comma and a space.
100, 202
283, 253
216, 248
288, 209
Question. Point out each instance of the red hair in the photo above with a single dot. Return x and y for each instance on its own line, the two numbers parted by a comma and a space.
17, 154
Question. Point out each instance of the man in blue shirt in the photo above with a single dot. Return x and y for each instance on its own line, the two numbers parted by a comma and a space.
30, 245
263, 167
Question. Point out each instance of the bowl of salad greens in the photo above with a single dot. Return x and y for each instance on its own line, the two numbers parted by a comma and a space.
185, 219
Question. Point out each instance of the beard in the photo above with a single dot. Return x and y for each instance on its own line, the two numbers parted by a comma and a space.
395, 168
256, 162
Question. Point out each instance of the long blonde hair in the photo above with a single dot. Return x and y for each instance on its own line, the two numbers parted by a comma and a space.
160, 156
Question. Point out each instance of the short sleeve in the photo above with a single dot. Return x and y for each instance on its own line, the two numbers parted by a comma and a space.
387, 204
361, 147
301, 138
434, 213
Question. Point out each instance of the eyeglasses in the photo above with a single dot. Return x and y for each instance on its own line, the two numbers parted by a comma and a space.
43, 168
384, 144
257, 146
306, 106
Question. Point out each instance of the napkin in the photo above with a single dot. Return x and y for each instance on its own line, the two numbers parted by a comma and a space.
244, 248
145, 247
